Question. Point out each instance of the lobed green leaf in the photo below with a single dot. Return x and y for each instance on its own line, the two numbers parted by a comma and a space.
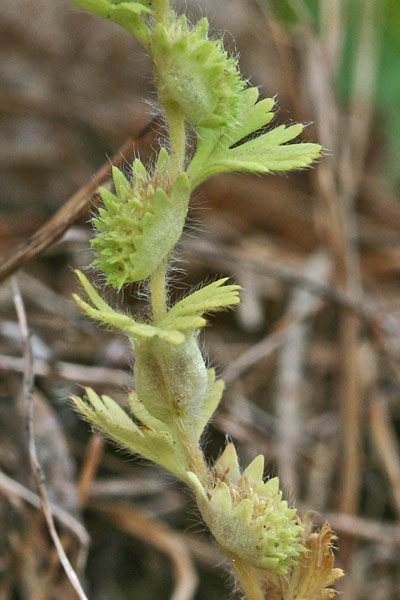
102, 312
186, 314
127, 14
222, 152
156, 445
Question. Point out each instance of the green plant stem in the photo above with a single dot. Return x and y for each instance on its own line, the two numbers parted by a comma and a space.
248, 579
193, 453
161, 8
177, 136
158, 293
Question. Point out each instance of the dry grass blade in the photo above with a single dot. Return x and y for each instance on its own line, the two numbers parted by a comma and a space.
28, 387
383, 533
364, 308
337, 186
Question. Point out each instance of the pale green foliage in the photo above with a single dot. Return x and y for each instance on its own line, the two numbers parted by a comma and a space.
203, 412
102, 312
175, 395
222, 152
153, 441
189, 391
181, 319
187, 313
127, 14
199, 418
171, 381
247, 516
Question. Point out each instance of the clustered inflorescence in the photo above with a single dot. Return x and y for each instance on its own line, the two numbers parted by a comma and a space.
175, 395
141, 223
195, 72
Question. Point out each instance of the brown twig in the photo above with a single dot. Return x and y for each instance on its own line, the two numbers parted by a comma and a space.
93, 455
28, 389
71, 371
363, 529
337, 181
119, 487
75, 207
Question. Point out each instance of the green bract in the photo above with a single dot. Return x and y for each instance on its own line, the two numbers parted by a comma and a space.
173, 382
171, 377
196, 73
140, 224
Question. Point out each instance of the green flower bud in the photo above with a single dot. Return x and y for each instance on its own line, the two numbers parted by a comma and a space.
196, 73
170, 374
248, 517
140, 224
170, 380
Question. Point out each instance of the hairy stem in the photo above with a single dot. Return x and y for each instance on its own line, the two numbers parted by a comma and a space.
248, 579
158, 293
193, 453
177, 136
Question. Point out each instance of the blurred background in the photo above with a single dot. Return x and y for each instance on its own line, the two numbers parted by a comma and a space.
311, 357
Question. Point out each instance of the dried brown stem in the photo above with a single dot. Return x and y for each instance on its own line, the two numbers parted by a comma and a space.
93, 456
267, 345
337, 184
363, 529
364, 308
38, 475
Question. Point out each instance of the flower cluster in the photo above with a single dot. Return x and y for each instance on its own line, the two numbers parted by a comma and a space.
139, 224
196, 73
247, 516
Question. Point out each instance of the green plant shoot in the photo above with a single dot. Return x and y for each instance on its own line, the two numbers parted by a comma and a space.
201, 87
